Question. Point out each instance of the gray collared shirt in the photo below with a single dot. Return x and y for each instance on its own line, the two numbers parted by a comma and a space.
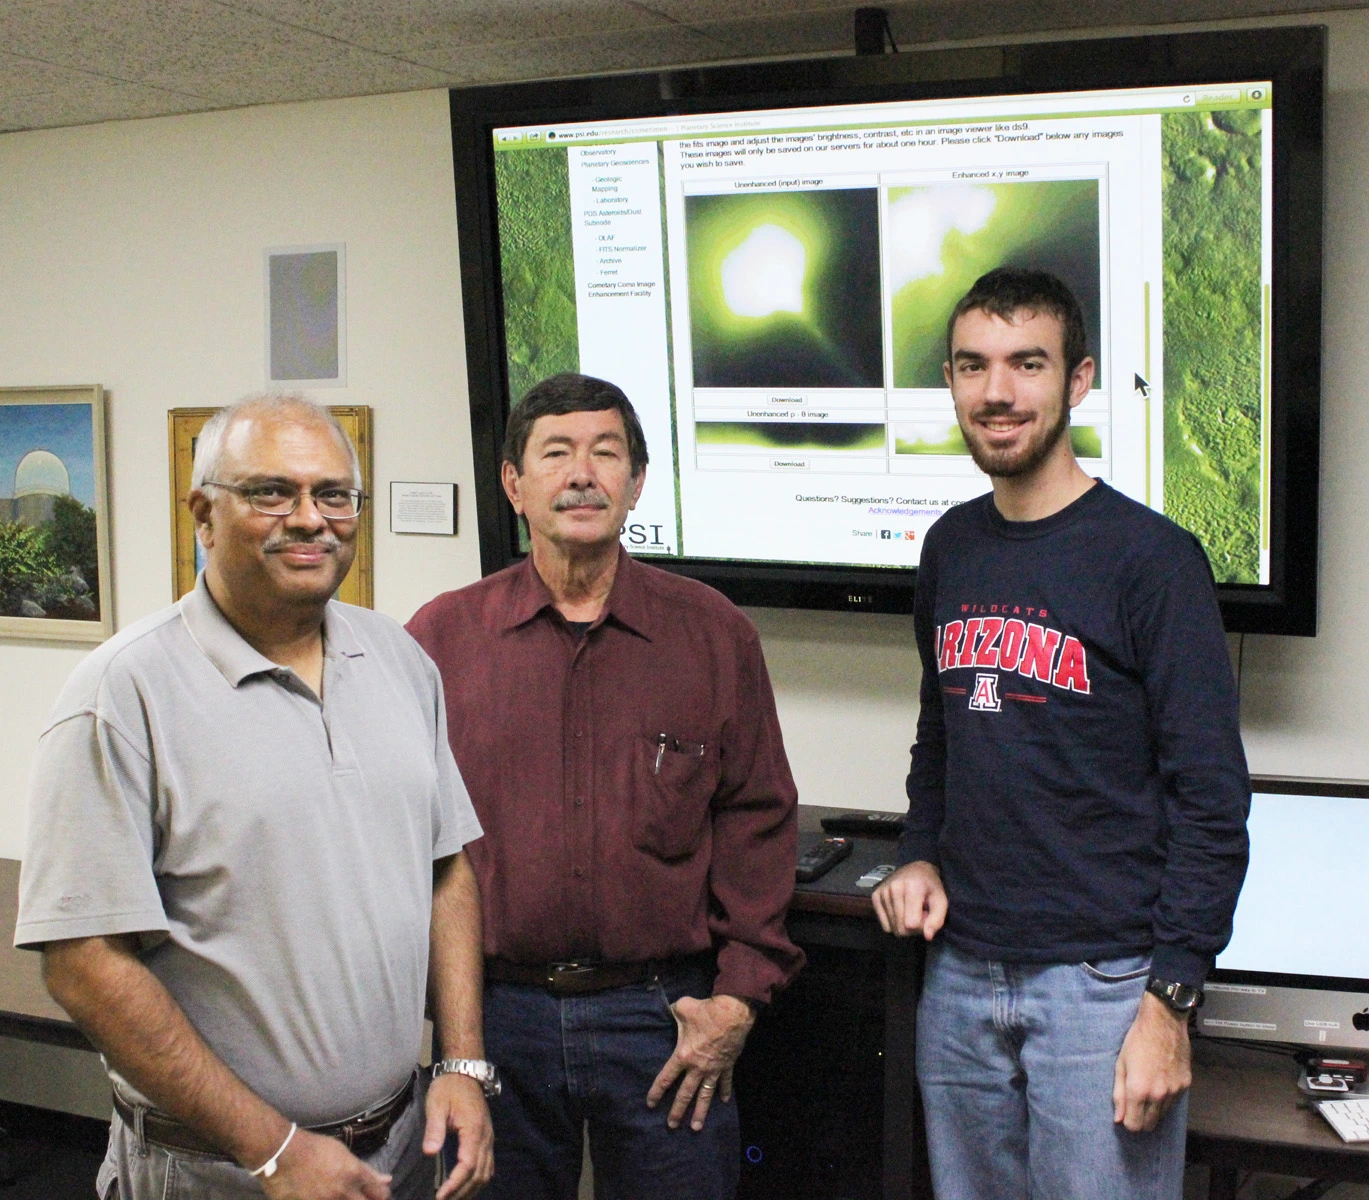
274, 851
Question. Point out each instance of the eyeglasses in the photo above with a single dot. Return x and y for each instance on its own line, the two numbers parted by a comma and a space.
281, 499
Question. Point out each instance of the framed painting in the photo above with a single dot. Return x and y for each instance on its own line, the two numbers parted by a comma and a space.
55, 582
187, 555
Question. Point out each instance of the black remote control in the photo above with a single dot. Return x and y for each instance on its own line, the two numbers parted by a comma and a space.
865, 824
821, 858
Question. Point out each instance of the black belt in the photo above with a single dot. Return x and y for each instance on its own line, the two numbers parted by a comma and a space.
362, 1135
570, 978
583, 976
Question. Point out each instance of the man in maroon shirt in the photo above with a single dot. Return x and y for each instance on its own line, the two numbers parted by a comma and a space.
615, 726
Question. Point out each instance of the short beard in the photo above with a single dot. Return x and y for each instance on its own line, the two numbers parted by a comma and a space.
999, 464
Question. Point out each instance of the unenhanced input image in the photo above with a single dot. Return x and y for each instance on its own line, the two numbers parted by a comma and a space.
784, 289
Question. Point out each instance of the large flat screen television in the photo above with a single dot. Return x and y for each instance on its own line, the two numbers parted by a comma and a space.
1297, 968
764, 258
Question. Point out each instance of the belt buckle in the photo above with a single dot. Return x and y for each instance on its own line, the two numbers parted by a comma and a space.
566, 974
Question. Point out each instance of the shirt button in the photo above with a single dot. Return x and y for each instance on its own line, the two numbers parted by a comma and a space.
579, 872
579, 733
579, 802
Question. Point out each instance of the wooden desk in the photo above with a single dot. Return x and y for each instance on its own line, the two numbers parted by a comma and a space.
1243, 1114
26, 1009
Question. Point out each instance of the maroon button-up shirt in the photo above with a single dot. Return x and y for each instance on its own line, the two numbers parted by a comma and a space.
632, 784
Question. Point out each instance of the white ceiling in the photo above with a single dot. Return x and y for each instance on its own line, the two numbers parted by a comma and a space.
75, 62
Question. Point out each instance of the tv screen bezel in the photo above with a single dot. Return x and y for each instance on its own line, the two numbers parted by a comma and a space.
1292, 58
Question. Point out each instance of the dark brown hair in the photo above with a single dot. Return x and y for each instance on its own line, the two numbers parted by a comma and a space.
569, 393
1006, 291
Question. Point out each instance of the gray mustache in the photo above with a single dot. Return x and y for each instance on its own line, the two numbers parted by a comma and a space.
280, 541
592, 498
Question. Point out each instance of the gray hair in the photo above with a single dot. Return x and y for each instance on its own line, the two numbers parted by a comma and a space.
290, 405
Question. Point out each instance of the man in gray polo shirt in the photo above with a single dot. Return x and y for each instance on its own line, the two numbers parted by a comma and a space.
245, 860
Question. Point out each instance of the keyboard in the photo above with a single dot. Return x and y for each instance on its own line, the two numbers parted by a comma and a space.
1349, 1118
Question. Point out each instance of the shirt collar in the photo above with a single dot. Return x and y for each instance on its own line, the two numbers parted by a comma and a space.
230, 652
627, 601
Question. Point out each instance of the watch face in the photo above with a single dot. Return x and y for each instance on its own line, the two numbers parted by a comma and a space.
1181, 997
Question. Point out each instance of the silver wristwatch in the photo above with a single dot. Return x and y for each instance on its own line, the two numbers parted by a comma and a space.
484, 1073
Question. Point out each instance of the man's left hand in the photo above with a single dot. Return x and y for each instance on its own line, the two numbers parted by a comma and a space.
457, 1105
711, 1035
1153, 1066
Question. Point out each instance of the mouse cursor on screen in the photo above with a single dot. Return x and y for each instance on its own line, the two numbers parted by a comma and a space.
1142, 388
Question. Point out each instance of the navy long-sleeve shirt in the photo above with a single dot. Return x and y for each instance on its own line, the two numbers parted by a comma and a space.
1078, 775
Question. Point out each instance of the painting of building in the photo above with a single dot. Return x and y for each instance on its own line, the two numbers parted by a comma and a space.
52, 551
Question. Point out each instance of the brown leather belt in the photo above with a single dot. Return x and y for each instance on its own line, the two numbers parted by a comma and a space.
571, 978
362, 1135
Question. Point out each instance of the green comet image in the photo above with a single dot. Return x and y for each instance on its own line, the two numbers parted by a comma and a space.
941, 438
784, 289
791, 435
1212, 334
537, 265
1086, 441
930, 437
942, 237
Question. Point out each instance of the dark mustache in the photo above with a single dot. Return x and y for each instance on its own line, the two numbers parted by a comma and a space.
577, 498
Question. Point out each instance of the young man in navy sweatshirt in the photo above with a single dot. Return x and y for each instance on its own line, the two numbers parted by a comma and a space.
1075, 839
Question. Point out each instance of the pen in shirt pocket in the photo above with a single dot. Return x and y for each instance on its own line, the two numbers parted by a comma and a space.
665, 741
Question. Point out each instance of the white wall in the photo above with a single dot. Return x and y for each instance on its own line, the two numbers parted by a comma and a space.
1305, 704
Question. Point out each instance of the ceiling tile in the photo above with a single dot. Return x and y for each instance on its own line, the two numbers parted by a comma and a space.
407, 26
29, 77
706, 12
96, 101
781, 34
953, 20
347, 73
549, 58
142, 40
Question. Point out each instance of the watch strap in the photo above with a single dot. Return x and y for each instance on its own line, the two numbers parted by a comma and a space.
1179, 997
483, 1072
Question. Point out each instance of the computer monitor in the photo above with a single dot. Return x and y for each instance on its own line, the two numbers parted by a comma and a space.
1297, 968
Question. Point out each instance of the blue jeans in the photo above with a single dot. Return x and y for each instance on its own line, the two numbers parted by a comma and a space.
1015, 1062
565, 1061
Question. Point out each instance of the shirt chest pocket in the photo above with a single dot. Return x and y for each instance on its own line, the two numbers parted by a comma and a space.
674, 781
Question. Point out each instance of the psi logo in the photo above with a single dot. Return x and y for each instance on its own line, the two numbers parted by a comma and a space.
985, 694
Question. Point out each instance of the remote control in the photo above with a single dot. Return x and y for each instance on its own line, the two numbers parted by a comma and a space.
866, 824
821, 858
875, 875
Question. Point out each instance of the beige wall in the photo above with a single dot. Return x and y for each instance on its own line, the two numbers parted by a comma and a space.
130, 255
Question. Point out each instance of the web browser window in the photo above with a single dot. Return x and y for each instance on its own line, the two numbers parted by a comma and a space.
771, 290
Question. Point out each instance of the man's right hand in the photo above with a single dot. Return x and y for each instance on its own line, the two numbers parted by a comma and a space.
315, 1167
912, 900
